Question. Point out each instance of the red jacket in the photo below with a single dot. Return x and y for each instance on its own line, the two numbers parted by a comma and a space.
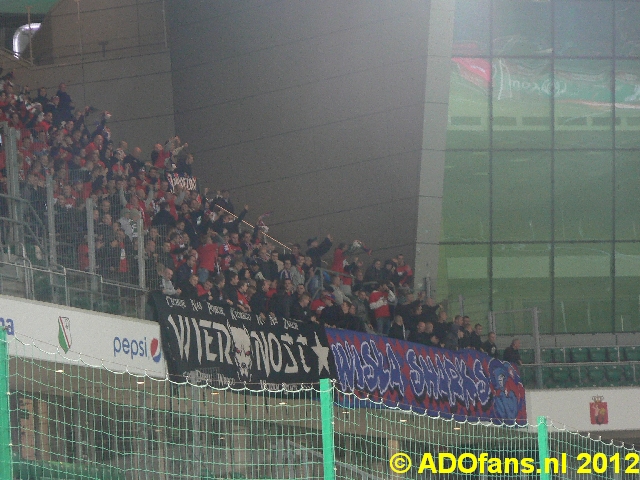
208, 254
405, 273
379, 303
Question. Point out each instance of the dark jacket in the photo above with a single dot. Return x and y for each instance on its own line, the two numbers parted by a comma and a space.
259, 303
429, 314
451, 340
490, 349
232, 292
226, 204
282, 304
330, 316
188, 291
270, 270
512, 356
441, 329
219, 296
163, 218
316, 253
182, 275
475, 341
397, 331
231, 227
372, 274
350, 322
423, 338
298, 312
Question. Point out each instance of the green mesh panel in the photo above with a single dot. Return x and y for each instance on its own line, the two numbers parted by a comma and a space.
75, 420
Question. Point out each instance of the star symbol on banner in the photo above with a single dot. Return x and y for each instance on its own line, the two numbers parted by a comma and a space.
323, 355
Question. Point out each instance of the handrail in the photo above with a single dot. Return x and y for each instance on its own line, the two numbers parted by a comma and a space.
556, 347
5, 52
64, 273
577, 364
102, 280
284, 247
321, 286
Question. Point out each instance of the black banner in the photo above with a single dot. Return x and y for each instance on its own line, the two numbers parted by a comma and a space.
221, 346
187, 182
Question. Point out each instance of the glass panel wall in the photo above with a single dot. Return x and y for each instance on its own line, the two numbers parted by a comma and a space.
583, 195
543, 161
627, 298
627, 29
463, 280
626, 195
469, 103
521, 28
521, 103
521, 280
583, 28
582, 101
627, 104
521, 202
465, 210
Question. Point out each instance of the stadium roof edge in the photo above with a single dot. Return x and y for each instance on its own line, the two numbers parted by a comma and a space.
20, 6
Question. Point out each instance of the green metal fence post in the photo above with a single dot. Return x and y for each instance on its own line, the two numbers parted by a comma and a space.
6, 462
326, 413
543, 447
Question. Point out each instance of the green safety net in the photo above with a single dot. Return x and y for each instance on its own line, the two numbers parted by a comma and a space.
73, 419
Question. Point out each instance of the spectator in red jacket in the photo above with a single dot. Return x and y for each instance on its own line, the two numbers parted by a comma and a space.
208, 255
379, 302
404, 274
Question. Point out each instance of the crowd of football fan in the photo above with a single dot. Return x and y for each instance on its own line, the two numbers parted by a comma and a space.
195, 246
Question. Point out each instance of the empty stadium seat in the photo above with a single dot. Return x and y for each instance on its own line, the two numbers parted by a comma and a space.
614, 354
546, 355
527, 355
596, 376
560, 377
560, 355
598, 354
632, 354
528, 376
629, 374
579, 354
547, 377
616, 375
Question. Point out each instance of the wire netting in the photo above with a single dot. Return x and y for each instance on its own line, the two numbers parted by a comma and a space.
76, 419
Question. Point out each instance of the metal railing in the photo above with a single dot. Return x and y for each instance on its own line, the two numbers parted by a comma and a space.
535, 331
285, 249
318, 276
10, 55
69, 287
571, 375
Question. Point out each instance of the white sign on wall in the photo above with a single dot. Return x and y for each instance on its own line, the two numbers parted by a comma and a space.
587, 409
62, 334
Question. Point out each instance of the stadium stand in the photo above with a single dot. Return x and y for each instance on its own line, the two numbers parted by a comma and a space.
105, 225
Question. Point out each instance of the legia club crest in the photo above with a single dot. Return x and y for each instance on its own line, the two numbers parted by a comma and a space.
64, 333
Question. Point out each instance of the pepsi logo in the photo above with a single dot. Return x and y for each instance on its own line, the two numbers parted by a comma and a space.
156, 351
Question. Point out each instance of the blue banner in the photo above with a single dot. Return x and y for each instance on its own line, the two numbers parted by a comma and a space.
460, 384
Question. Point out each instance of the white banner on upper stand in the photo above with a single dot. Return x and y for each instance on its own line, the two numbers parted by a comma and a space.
67, 335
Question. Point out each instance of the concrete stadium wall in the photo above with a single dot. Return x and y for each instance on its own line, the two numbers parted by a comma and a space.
315, 110
112, 55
